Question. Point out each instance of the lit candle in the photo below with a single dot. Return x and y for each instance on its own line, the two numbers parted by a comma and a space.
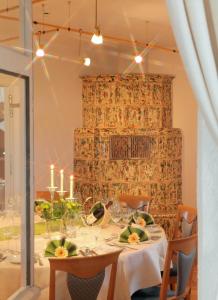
52, 175
62, 180
71, 186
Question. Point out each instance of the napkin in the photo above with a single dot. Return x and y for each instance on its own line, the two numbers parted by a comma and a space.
142, 218
60, 248
133, 235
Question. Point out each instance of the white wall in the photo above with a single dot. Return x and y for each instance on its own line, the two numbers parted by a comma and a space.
58, 108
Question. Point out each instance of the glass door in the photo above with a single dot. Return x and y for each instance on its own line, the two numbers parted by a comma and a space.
16, 151
14, 188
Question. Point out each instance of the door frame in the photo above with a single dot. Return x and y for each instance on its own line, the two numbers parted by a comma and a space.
18, 63
27, 226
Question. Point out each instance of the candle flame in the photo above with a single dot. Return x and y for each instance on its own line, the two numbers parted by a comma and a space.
62, 171
51, 166
71, 176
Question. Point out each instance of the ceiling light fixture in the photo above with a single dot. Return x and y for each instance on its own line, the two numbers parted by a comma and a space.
40, 52
97, 37
86, 61
138, 59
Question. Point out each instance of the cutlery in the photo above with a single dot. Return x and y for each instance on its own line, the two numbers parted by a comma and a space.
95, 253
87, 252
82, 252
122, 246
110, 238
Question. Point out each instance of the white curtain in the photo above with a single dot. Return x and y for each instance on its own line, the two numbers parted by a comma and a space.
195, 27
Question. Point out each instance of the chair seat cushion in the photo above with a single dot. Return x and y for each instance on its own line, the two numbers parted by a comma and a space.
151, 293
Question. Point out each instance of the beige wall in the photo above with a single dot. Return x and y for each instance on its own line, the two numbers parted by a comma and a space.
184, 117
58, 109
57, 113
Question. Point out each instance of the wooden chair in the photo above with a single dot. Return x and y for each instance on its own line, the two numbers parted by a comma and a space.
85, 275
136, 202
186, 221
186, 225
186, 251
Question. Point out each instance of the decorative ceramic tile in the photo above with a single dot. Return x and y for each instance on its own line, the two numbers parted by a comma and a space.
126, 99
127, 144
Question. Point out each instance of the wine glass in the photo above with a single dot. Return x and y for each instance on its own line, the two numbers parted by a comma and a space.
115, 211
72, 224
126, 213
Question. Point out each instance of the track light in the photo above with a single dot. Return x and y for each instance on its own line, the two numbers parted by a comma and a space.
86, 61
138, 59
97, 38
40, 52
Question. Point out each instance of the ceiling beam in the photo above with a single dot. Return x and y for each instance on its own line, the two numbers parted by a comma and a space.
15, 7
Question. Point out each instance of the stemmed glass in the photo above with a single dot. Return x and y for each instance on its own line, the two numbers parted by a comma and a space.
90, 234
115, 211
72, 225
126, 213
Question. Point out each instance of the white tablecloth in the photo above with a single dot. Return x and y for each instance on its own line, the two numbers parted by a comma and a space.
137, 268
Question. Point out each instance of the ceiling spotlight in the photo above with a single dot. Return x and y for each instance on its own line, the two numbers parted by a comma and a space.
138, 59
97, 38
40, 52
87, 61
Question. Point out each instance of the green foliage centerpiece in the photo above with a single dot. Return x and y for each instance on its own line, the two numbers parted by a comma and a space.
56, 212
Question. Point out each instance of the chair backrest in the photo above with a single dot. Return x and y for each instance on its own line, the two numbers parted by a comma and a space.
186, 251
186, 221
136, 202
87, 274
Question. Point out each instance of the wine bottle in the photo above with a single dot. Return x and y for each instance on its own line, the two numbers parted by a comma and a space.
97, 214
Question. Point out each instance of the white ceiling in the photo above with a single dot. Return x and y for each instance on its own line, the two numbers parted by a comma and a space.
122, 18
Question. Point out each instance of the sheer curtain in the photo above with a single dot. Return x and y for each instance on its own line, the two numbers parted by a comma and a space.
195, 27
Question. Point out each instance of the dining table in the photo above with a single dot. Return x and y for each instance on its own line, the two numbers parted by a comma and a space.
139, 265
